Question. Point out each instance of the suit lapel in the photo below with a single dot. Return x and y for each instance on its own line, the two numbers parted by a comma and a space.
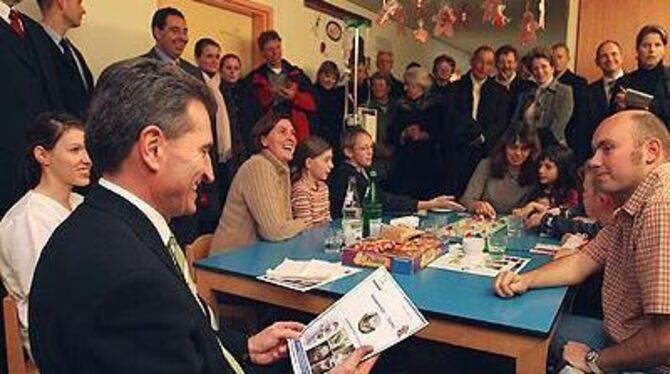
16, 46
136, 220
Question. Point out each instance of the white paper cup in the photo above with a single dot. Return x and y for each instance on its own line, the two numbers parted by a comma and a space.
473, 246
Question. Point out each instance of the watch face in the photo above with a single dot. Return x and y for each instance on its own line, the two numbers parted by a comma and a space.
334, 31
591, 355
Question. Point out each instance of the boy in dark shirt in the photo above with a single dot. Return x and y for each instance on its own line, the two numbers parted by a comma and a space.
358, 150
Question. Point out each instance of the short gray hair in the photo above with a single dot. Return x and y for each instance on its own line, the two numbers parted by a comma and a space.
133, 94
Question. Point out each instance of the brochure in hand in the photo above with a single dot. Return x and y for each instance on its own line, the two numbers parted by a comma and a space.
376, 313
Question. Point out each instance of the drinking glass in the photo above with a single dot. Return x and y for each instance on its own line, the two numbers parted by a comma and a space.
515, 232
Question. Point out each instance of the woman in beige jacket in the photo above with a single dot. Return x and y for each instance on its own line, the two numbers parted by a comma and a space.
259, 199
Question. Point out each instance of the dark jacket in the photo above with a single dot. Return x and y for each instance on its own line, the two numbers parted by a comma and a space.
107, 297
75, 92
27, 88
655, 82
339, 181
578, 130
327, 122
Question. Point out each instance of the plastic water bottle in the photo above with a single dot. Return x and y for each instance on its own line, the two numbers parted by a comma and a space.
352, 225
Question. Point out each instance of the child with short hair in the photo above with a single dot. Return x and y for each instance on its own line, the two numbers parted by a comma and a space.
358, 150
312, 163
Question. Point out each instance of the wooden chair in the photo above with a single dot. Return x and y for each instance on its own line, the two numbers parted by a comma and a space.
246, 314
17, 361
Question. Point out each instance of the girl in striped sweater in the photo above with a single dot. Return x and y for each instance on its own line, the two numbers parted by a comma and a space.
312, 163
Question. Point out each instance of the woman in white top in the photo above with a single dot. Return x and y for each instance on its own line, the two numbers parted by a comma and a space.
56, 162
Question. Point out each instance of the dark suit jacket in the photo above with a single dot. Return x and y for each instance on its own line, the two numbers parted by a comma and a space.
26, 90
106, 297
75, 93
185, 65
599, 106
577, 132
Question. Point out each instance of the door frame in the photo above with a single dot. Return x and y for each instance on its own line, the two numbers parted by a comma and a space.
261, 18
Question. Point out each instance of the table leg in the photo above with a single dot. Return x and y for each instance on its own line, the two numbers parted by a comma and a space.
533, 360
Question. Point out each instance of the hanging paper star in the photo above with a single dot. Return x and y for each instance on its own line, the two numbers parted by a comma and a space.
389, 9
500, 19
528, 29
489, 7
421, 34
444, 19
494, 13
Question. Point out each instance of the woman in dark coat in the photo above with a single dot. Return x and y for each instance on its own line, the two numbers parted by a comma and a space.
416, 133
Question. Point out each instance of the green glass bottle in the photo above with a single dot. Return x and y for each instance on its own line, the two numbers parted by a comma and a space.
372, 208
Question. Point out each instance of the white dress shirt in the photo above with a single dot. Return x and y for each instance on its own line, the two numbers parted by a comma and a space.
609, 82
476, 94
4, 12
24, 231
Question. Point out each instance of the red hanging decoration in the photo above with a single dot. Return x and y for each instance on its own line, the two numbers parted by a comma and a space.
528, 29
389, 9
445, 19
494, 13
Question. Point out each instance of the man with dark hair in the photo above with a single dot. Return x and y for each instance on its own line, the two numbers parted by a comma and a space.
481, 110
385, 68
27, 88
651, 76
74, 78
579, 121
630, 162
168, 27
507, 64
278, 82
610, 61
386, 107
131, 305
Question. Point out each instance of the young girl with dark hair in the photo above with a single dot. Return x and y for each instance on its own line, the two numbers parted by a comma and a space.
313, 162
558, 184
57, 162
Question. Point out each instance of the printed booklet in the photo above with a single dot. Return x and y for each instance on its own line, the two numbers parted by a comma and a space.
376, 313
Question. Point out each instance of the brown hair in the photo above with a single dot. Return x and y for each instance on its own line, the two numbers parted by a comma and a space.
651, 29
523, 134
350, 134
264, 125
266, 37
310, 147
541, 52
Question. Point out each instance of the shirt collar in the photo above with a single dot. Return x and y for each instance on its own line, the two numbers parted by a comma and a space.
164, 56
4, 11
659, 178
475, 82
152, 214
618, 75
505, 81
56, 37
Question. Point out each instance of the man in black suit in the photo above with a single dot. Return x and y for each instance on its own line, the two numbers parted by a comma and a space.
610, 62
74, 78
25, 91
578, 126
507, 64
385, 68
112, 292
169, 29
480, 105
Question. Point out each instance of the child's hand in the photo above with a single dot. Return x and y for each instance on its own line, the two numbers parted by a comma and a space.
533, 220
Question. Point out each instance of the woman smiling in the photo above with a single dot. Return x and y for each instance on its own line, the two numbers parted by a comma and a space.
259, 199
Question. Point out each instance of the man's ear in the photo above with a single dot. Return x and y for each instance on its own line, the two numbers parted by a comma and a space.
653, 151
151, 147
348, 152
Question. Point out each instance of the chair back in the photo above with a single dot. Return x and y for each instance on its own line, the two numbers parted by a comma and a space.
17, 361
197, 250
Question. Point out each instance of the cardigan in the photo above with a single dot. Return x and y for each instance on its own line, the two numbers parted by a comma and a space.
258, 205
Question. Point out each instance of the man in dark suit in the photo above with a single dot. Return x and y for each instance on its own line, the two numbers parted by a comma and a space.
113, 293
25, 91
507, 64
385, 68
578, 126
74, 78
481, 105
168, 27
610, 62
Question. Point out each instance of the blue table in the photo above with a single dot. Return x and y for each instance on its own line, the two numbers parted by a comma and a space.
461, 308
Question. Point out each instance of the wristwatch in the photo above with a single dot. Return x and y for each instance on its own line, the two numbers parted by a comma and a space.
591, 359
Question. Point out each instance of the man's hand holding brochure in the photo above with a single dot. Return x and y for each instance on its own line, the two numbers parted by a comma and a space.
373, 316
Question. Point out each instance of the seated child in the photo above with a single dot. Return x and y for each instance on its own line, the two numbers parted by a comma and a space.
557, 182
312, 163
358, 151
